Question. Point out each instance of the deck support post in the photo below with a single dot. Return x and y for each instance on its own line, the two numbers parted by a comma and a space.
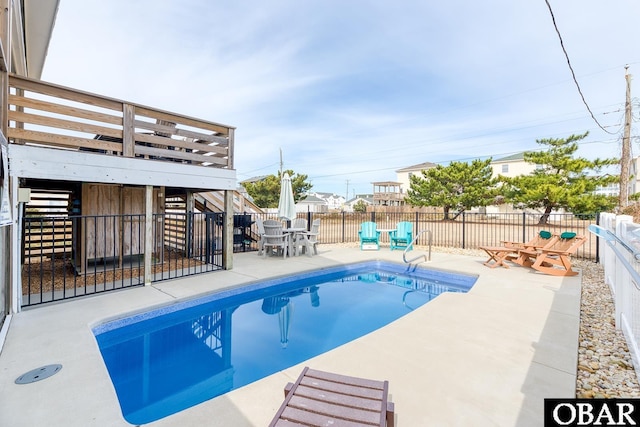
16, 242
227, 232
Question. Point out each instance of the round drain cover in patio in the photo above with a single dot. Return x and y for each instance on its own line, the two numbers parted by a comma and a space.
38, 374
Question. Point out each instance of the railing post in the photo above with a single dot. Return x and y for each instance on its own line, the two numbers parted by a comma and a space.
524, 225
128, 130
230, 150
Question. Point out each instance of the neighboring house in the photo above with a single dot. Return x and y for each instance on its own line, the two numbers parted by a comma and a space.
512, 165
403, 176
255, 179
609, 190
313, 204
509, 166
333, 201
392, 193
515, 165
107, 157
367, 199
388, 193
613, 189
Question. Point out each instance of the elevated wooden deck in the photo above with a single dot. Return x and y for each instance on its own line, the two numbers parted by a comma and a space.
48, 115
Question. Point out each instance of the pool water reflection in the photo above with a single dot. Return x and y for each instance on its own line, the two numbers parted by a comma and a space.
172, 358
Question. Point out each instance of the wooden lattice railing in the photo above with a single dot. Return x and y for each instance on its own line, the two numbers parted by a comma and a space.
54, 116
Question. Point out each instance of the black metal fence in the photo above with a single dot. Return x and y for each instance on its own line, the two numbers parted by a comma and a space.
70, 256
467, 231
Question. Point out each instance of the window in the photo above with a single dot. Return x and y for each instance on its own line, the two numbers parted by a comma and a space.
505, 168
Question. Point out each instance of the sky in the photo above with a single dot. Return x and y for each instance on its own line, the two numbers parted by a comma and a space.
351, 91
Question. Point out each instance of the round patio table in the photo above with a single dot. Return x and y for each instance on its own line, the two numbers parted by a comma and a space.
294, 235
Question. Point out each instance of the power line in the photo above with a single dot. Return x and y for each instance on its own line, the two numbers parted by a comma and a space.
259, 169
445, 140
573, 74
494, 155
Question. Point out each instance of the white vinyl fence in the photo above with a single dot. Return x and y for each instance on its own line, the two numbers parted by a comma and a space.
619, 241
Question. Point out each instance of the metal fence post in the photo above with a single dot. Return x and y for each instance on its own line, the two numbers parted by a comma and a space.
524, 225
463, 229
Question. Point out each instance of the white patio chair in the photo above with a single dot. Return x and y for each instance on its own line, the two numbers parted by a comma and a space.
309, 239
299, 223
297, 237
274, 238
261, 232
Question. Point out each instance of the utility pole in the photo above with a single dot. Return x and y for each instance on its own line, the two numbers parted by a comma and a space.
625, 158
347, 189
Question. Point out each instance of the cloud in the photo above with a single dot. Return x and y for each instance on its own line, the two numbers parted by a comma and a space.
352, 90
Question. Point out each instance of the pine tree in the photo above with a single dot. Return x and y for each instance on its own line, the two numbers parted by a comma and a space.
266, 192
560, 181
456, 187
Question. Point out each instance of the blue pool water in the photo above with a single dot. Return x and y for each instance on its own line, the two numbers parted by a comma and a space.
174, 357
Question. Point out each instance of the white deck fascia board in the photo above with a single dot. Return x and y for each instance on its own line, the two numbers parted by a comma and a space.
47, 163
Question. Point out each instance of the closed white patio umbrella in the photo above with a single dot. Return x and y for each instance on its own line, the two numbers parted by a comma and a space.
286, 204
284, 319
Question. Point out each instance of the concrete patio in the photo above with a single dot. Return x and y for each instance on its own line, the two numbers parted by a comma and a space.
485, 358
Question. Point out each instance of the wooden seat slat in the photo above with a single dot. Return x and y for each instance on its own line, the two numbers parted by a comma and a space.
308, 418
350, 390
339, 398
321, 398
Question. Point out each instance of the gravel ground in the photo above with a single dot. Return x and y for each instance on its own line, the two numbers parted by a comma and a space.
605, 368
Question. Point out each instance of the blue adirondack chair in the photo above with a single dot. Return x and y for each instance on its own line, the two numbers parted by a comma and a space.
369, 235
402, 236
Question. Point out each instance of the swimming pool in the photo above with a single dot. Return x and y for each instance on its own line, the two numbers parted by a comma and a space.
168, 359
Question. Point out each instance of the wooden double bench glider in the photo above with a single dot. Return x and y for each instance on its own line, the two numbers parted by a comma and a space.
320, 398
